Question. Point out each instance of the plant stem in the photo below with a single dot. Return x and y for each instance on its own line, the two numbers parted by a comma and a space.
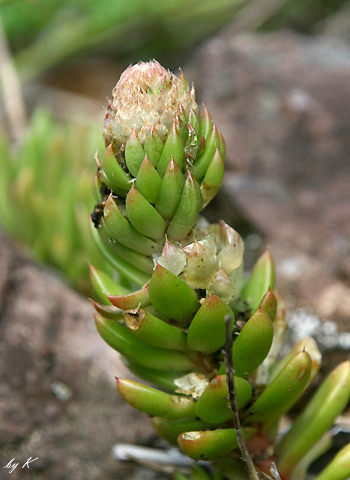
233, 401
11, 89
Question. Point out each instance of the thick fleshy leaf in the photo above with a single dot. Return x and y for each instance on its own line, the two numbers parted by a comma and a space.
140, 298
134, 153
261, 279
211, 444
123, 267
117, 178
172, 296
206, 124
308, 345
143, 216
279, 397
173, 148
108, 311
269, 304
202, 162
154, 402
339, 467
121, 230
206, 332
252, 344
148, 182
214, 406
154, 146
279, 330
213, 178
319, 415
138, 260
170, 191
320, 448
122, 340
187, 210
104, 285
154, 331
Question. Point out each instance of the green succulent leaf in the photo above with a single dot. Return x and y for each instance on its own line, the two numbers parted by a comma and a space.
123, 340
154, 331
279, 397
172, 296
260, 281
155, 403
339, 467
206, 332
211, 444
252, 344
213, 405
104, 285
319, 415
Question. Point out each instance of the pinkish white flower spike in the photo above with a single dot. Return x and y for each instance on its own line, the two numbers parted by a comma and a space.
153, 113
146, 93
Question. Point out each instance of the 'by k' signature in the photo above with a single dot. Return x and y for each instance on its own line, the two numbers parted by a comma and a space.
12, 464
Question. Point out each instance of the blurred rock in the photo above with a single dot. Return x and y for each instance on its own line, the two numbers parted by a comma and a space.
58, 399
283, 104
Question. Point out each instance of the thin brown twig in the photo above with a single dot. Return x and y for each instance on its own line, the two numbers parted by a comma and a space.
253, 475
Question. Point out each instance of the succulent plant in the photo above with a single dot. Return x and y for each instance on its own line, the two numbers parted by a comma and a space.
162, 165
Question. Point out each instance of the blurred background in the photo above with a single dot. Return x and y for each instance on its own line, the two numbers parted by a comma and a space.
275, 75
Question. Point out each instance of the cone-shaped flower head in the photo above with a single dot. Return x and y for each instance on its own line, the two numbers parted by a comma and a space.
163, 163
147, 94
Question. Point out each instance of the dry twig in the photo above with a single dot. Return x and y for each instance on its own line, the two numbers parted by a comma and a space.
253, 475
12, 93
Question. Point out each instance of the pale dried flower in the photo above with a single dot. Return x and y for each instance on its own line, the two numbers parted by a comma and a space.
146, 94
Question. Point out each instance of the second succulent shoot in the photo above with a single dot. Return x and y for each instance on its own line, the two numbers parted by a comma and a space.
45, 195
162, 164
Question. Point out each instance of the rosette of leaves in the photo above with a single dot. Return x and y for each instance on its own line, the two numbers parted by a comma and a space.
172, 331
163, 163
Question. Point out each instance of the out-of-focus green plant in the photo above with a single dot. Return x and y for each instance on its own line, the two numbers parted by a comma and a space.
45, 194
44, 34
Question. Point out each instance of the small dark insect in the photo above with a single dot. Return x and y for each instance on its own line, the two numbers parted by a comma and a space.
96, 214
